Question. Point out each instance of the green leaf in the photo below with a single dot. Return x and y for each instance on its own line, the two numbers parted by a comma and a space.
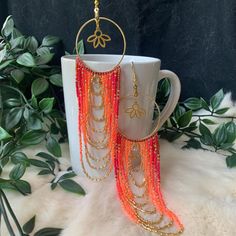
165, 87
13, 117
204, 130
28, 227
208, 122
54, 129
67, 176
48, 232
16, 42
39, 86
45, 172
189, 129
222, 110
16, 33
193, 103
46, 105
44, 58
23, 186
204, 104
34, 102
8, 26
53, 186
34, 123
63, 127
171, 135
206, 138
47, 156
193, 124
80, 47
6, 184
17, 75
173, 122
38, 163
216, 100
17, 172
71, 186
6, 63
231, 132
8, 148
220, 135
193, 143
3, 53
56, 80
33, 44
4, 161
50, 40
26, 43
226, 146
26, 59
19, 157
4, 135
12, 102
3, 181
185, 119
231, 161
26, 113
53, 147
179, 111
33, 137
43, 51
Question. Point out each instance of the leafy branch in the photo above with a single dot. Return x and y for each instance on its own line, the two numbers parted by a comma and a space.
31, 113
201, 123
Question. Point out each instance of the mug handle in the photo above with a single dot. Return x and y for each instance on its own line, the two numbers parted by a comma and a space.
173, 97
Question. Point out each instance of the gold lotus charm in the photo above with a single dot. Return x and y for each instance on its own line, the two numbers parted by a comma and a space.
98, 39
135, 111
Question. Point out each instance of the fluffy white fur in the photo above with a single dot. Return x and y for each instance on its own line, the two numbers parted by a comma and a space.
197, 185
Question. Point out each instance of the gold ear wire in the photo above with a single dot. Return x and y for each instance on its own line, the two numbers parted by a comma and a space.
135, 81
98, 38
135, 110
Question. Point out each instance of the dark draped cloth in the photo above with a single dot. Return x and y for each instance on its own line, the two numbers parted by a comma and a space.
194, 38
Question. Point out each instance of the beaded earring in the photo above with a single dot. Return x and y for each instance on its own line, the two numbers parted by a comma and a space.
98, 101
137, 171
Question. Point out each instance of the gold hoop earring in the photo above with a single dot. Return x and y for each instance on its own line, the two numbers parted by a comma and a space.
98, 38
98, 99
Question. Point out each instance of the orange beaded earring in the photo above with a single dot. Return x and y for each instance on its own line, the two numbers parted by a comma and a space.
137, 171
98, 101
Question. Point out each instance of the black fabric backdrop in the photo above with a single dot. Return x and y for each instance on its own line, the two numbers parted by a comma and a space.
194, 38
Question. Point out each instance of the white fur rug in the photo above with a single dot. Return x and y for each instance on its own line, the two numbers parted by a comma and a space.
197, 186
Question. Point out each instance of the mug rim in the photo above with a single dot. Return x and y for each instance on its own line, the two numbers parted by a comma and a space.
111, 59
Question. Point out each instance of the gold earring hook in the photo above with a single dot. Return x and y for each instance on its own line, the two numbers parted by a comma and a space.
135, 111
96, 14
135, 81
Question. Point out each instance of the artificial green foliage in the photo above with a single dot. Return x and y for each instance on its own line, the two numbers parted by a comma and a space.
203, 131
31, 113
28, 227
29, 85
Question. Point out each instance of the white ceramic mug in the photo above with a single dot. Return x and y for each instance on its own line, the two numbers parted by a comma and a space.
148, 75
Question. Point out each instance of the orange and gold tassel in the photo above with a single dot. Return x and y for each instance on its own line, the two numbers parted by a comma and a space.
98, 101
143, 201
